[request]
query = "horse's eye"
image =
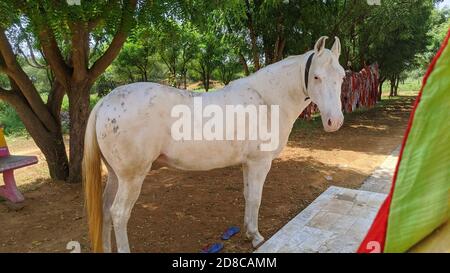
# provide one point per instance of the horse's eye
(316, 78)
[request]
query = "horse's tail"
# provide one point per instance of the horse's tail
(92, 179)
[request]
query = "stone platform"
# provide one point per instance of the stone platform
(338, 220)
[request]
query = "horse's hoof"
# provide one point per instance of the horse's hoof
(257, 241)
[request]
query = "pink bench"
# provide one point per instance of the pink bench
(8, 163)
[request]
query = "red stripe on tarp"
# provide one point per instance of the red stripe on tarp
(377, 232)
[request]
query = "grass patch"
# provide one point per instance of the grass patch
(410, 86)
(303, 124)
(203, 90)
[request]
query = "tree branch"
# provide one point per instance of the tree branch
(116, 44)
(30, 48)
(23, 82)
(50, 48)
(53, 54)
(55, 99)
(80, 49)
(34, 64)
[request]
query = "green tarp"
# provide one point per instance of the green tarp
(420, 201)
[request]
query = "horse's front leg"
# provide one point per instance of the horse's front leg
(256, 172)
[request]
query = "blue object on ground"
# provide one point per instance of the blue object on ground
(214, 248)
(230, 232)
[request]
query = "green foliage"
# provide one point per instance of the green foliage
(178, 42)
(204, 40)
(405, 28)
(440, 25)
(10, 121)
(177, 46)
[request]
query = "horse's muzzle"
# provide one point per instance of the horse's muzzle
(332, 124)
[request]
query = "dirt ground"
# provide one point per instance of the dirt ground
(184, 211)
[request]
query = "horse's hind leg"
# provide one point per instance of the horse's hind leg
(128, 191)
(256, 176)
(108, 199)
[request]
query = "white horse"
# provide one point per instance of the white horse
(130, 129)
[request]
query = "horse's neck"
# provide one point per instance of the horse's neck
(283, 84)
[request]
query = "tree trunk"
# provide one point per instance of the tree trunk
(391, 94)
(206, 82)
(79, 96)
(244, 64)
(184, 76)
(145, 75)
(280, 41)
(279, 49)
(380, 92)
(50, 143)
(397, 82)
(130, 76)
(268, 51)
(253, 36)
(173, 77)
(55, 153)
(255, 50)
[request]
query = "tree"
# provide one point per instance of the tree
(228, 68)
(63, 34)
(177, 47)
(405, 34)
(207, 59)
(440, 22)
(210, 49)
(137, 57)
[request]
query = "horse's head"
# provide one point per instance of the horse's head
(324, 80)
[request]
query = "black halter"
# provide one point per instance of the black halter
(308, 66)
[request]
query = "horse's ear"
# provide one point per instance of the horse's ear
(320, 45)
(336, 49)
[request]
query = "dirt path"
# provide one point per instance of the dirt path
(183, 211)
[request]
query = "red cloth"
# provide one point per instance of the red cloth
(359, 90)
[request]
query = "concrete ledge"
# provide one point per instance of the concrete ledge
(338, 219)
(335, 222)
(381, 178)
